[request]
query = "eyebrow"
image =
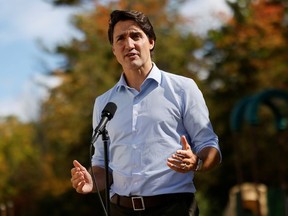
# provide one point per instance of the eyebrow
(120, 36)
(133, 32)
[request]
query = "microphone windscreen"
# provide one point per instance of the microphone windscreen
(109, 110)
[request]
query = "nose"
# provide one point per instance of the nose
(129, 43)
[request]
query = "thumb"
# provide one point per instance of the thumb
(185, 144)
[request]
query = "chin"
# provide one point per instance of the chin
(135, 65)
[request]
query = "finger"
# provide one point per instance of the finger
(76, 168)
(174, 161)
(77, 176)
(176, 168)
(78, 165)
(73, 171)
(177, 165)
(79, 186)
(178, 157)
(185, 144)
(173, 166)
(186, 148)
(76, 182)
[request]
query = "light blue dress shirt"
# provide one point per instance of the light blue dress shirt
(146, 130)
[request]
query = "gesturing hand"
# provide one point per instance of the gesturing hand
(183, 160)
(81, 179)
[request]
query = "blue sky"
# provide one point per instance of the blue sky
(23, 63)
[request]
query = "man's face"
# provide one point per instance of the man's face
(131, 46)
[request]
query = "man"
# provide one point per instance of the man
(160, 134)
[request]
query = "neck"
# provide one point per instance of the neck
(135, 77)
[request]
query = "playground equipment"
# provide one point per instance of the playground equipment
(255, 198)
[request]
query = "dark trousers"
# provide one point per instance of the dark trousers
(183, 206)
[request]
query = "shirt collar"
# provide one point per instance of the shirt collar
(155, 74)
(121, 83)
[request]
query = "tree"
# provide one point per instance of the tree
(235, 58)
(247, 56)
(20, 165)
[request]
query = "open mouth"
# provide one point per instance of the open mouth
(131, 54)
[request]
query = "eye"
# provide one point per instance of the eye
(119, 38)
(135, 36)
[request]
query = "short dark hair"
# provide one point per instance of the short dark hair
(140, 18)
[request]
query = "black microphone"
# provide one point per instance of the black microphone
(107, 114)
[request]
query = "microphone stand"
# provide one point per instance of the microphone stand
(105, 138)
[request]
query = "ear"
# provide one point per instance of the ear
(113, 50)
(152, 44)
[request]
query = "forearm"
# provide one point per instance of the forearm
(100, 178)
(210, 157)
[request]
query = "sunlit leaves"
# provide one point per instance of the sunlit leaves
(18, 157)
(250, 55)
(253, 47)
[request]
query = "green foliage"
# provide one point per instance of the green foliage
(19, 159)
(246, 56)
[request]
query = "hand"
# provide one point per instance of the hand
(81, 179)
(183, 160)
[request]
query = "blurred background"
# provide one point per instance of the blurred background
(55, 59)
